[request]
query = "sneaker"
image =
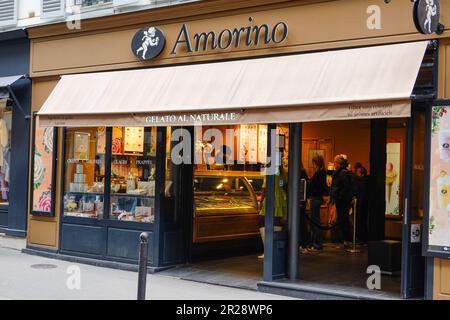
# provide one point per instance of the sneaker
(261, 256)
(304, 250)
(348, 244)
(315, 249)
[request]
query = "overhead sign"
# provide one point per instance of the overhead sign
(426, 15)
(149, 42)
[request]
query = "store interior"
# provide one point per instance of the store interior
(228, 198)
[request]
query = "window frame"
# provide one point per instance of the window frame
(105, 218)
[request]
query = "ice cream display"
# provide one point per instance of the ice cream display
(391, 177)
(443, 187)
(444, 145)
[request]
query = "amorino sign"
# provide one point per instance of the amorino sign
(146, 44)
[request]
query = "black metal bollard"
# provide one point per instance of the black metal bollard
(142, 276)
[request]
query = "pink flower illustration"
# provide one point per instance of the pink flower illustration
(45, 201)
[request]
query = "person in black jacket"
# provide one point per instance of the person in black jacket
(304, 233)
(317, 190)
(362, 204)
(341, 197)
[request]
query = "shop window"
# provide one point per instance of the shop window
(85, 150)
(133, 174)
(5, 153)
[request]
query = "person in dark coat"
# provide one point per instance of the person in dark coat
(304, 233)
(361, 182)
(317, 190)
(341, 197)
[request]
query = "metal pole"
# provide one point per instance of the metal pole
(294, 201)
(142, 276)
(354, 250)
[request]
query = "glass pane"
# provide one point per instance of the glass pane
(5, 154)
(85, 172)
(133, 174)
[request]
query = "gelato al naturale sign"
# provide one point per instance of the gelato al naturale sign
(192, 118)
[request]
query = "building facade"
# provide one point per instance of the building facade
(15, 99)
(82, 202)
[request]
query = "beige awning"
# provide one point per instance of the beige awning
(363, 83)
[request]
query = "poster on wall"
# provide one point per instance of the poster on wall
(393, 163)
(81, 146)
(262, 143)
(42, 195)
(439, 206)
(134, 139)
(101, 140)
(248, 143)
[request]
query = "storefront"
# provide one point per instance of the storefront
(15, 102)
(115, 132)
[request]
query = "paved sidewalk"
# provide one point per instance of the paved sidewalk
(25, 276)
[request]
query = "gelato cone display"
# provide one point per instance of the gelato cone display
(444, 145)
(391, 177)
(443, 187)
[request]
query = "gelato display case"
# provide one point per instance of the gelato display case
(226, 205)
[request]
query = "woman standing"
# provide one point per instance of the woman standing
(318, 189)
(341, 197)
(280, 205)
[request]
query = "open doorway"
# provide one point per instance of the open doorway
(337, 251)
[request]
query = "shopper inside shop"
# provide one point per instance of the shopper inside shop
(341, 198)
(280, 205)
(317, 191)
(361, 187)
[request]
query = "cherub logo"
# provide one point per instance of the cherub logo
(148, 43)
(431, 11)
(426, 15)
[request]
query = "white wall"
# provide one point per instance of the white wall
(29, 11)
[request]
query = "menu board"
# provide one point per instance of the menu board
(248, 143)
(262, 143)
(439, 209)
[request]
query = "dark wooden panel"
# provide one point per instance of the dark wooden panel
(3, 218)
(84, 239)
(225, 227)
(123, 243)
(172, 247)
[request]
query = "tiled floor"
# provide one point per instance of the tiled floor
(332, 267)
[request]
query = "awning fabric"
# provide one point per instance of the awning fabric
(362, 83)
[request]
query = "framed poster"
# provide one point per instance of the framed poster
(134, 139)
(437, 167)
(393, 178)
(43, 170)
(117, 140)
(262, 143)
(101, 140)
(81, 146)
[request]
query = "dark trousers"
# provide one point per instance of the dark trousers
(316, 231)
(304, 233)
(343, 218)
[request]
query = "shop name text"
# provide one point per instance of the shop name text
(241, 36)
